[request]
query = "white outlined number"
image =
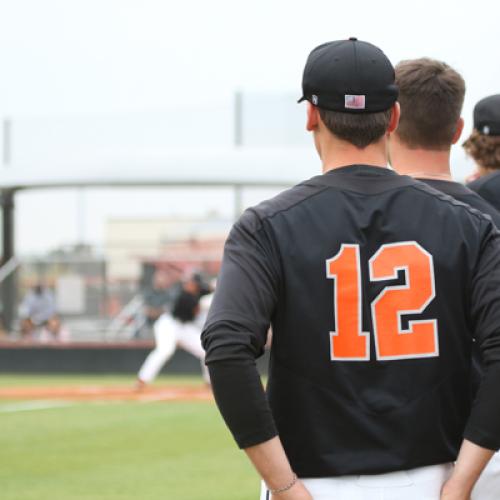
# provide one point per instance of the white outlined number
(392, 342)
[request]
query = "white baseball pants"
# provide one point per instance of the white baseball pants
(170, 333)
(423, 483)
(488, 486)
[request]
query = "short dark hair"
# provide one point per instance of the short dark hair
(484, 149)
(361, 130)
(431, 96)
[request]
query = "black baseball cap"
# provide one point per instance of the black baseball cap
(349, 76)
(487, 115)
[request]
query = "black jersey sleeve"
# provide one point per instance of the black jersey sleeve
(483, 427)
(236, 329)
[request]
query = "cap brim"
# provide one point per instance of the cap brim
(303, 98)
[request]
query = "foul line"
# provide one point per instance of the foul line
(33, 406)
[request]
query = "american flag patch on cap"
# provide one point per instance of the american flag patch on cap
(354, 101)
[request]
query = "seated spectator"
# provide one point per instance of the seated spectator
(53, 331)
(39, 319)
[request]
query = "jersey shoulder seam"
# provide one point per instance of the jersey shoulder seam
(446, 198)
(263, 217)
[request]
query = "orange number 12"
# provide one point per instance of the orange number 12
(348, 342)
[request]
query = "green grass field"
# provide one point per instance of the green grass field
(108, 451)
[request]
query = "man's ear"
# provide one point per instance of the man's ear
(312, 117)
(395, 114)
(458, 130)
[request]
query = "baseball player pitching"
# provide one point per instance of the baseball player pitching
(376, 286)
(180, 328)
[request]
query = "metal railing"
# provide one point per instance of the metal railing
(8, 268)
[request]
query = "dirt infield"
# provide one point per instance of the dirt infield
(103, 393)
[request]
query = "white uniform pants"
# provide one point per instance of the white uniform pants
(488, 486)
(424, 483)
(170, 333)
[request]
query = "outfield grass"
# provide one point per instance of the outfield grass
(120, 451)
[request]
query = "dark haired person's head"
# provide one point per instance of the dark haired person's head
(431, 96)
(359, 130)
(349, 85)
(483, 145)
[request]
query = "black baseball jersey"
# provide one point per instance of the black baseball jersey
(488, 187)
(466, 195)
(186, 306)
(375, 285)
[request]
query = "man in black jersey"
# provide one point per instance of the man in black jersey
(373, 283)
(180, 328)
(483, 145)
(431, 96)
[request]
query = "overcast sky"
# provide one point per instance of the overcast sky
(106, 57)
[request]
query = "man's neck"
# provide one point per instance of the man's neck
(337, 154)
(486, 170)
(420, 163)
